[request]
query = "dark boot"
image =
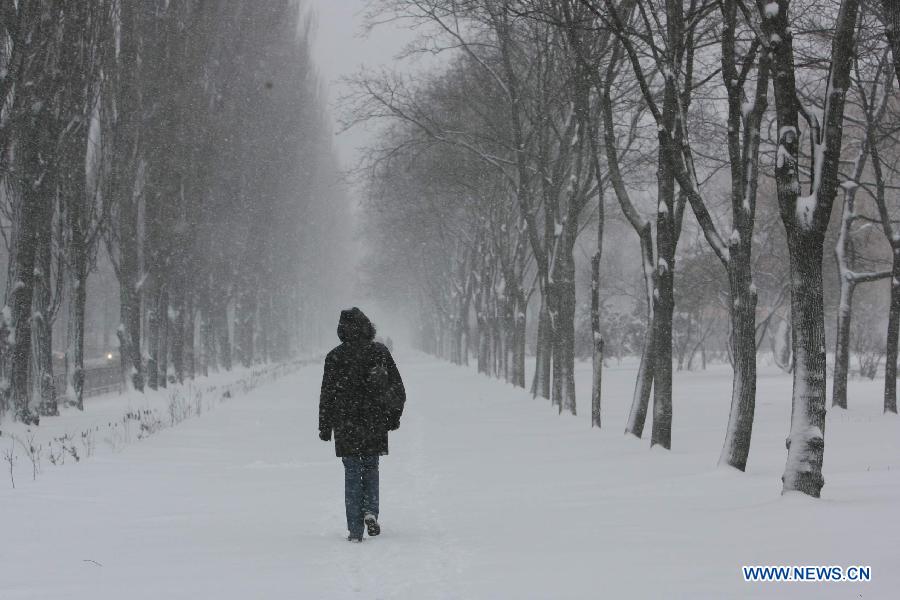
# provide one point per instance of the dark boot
(372, 525)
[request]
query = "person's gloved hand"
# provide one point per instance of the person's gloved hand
(325, 436)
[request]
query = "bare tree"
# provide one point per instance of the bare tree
(132, 122)
(891, 18)
(805, 219)
(81, 194)
(673, 48)
(34, 172)
(872, 103)
(121, 112)
(541, 150)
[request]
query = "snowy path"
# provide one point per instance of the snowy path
(486, 494)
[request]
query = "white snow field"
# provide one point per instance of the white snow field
(487, 494)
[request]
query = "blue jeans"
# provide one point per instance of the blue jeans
(360, 490)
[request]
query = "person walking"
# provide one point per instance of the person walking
(362, 400)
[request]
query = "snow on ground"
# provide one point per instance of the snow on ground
(487, 494)
(112, 421)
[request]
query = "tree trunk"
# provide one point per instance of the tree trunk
(265, 320)
(244, 315)
(893, 328)
(806, 441)
(646, 370)
(743, 340)
(596, 338)
(518, 378)
(484, 345)
(123, 175)
(668, 227)
(129, 330)
(43, 321)
(564, 333)
(509, 339)
(220, 318)
(208, 339)
(457, 350)
(540, 386)
(640, 401)
(661, 433)
(35, 212)
(177, 325)
(20, 299)
(842, 344)
(162, 357)
(75, 345)
(499, 348)
(464, 339)
(153, 325)
(189, 342)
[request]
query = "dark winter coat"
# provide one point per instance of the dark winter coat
(362, 393)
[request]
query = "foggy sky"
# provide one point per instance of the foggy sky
(341, 48)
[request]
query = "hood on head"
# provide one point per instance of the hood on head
(354, 326)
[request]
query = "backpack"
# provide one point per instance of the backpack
(384, 401)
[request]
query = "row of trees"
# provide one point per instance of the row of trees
(186, 140)
(683, 113)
